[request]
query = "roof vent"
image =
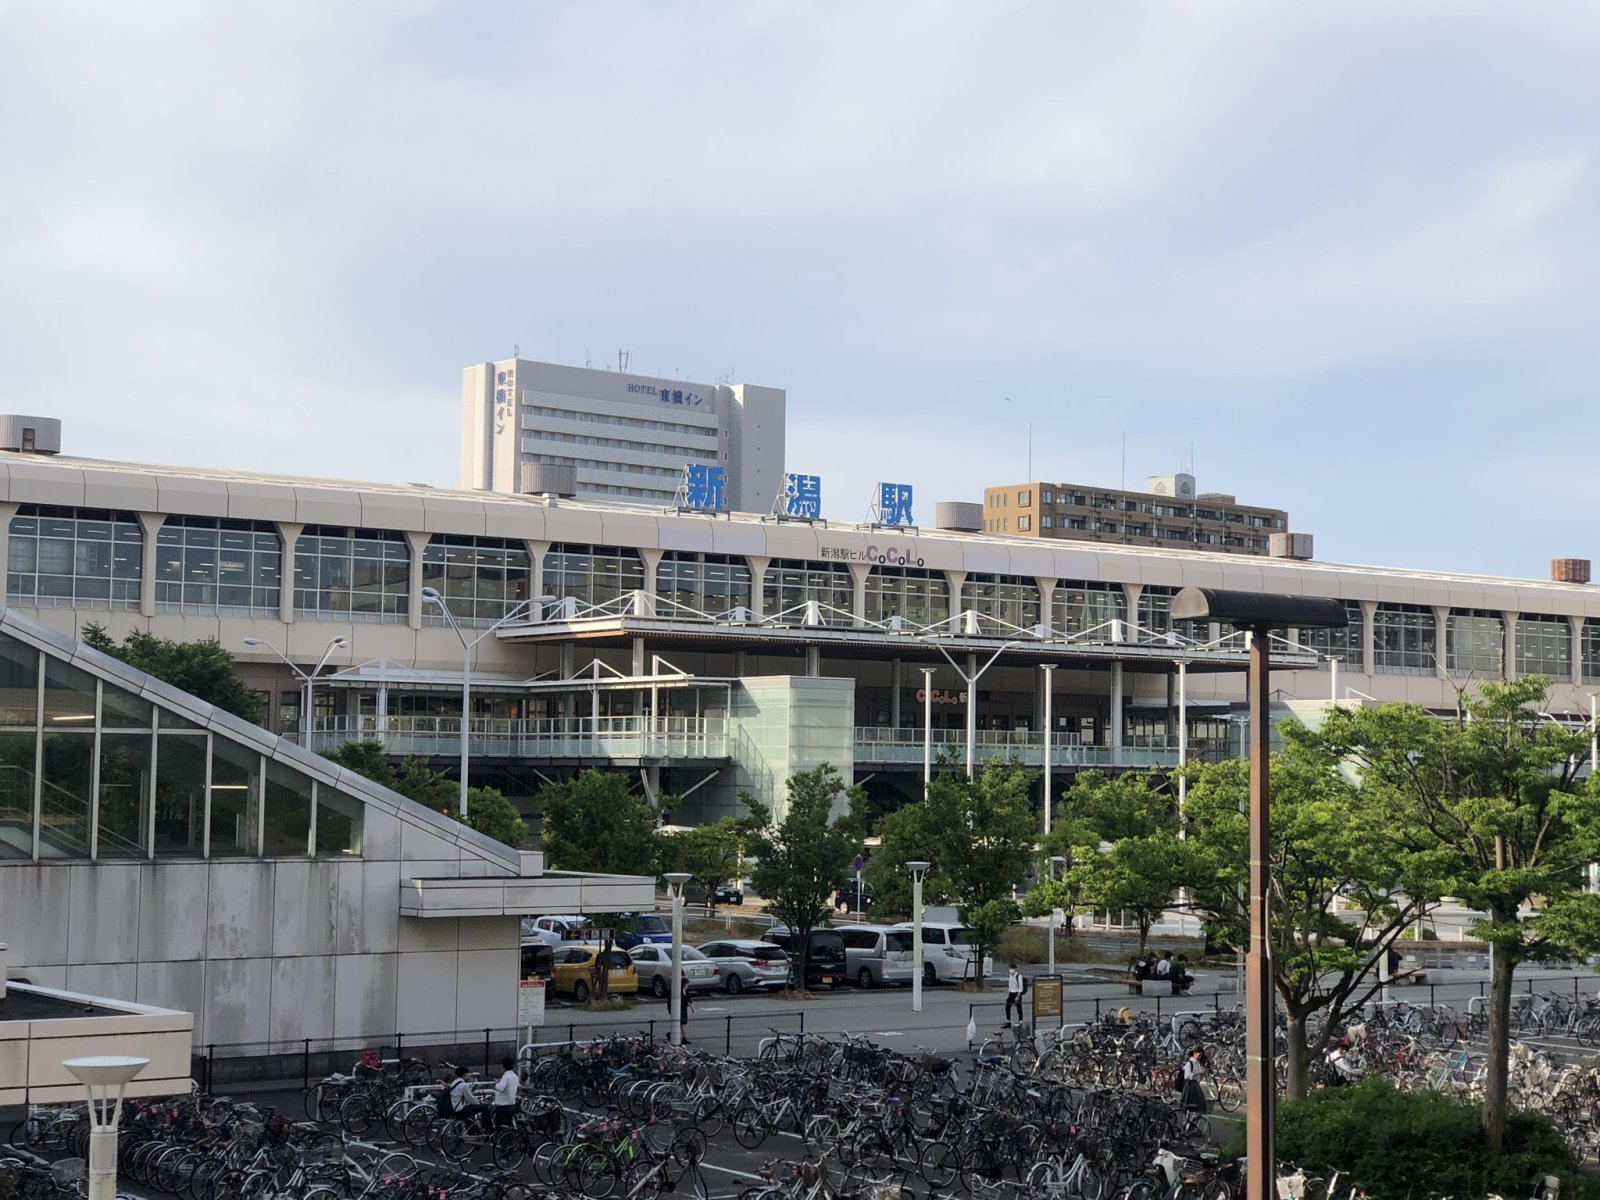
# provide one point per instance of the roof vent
(1289, 545)
(1569, 570)
(30, 435)
(549, 479)
(958, 516)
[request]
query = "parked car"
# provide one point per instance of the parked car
(727, 895)
(572, 972)
(947, 952)
(552, 930)
(538, 960)
(824, 957)
(654, 964)
(645, 929)
(875, 955)
(746, 964)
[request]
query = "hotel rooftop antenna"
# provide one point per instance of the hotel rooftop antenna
(622, 361)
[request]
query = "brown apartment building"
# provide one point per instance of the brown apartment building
(1167, 513)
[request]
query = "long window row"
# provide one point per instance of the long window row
(88, 769)
(94, 558)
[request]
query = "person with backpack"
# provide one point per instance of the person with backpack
(1194, 1073)
(1016, 986)
(457, 1102)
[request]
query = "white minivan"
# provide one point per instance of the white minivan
(947, 952)
(875, 955)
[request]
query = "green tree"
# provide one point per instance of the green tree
(1493, 798)
(908, 834)
(488, 811)
(203, 669)
(987, 826)
(800, 860)
(709, 853)
(1123, 850)
(594, 823)
(1343, 882)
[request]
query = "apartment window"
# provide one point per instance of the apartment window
(362, 574)
(1079, 606)
(1047, 522)
(1025, 498)
(708, 583)
(921, 597)
(1404, 640)
(1344, 645)
(74, 558)
(481, 578)
(1544, 645)
(1047, 496)
(1024, 523)
(592, 575)
(1591, 651)
(209, 562)
(1474, 642)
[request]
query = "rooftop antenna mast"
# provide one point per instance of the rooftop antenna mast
(622, 360)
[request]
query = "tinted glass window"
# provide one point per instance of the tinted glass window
(649, 925)
(827, 945)
(714, 950)
(934, 937)
(897, 941)
(961, 937)
(860, 939)
(768, 954)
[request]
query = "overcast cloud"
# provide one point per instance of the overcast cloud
(1348, 252)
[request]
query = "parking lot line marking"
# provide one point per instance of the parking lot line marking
(705, 1166)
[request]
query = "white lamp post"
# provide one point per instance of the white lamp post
(432, 596)
(675, 881)
(1056, 862)
(1049, 670)
(927, 729)
(104, 1074)
(917, 869)
(308, 683)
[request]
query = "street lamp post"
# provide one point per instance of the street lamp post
(1056, 862)
(432, 596)
(105, 1072)
(308, 683)
(1259, 615)
(1049, 670)
(917, 869)
(927, 729)
(970, 677)
(675, 881)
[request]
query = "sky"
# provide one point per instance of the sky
(1341, 258)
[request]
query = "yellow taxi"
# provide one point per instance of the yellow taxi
(573, 971)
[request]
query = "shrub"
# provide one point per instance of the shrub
(1399, 1144)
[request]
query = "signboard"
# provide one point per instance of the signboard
(702, 487)
(894, 504)
(858, 864)
(530, 1002)
(1046, 997)
(802, 496)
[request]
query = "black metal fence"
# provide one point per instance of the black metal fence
(1154, 996)
(301, 1062)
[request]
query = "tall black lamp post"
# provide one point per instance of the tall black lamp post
(1260, 615)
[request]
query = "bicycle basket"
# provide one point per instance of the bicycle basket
(70, 1171)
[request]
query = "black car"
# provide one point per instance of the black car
(825, 965)
(728, 895)
(538, 960)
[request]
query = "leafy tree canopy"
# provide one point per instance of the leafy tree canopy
(593, 822)
(488, 811)
(203, 669)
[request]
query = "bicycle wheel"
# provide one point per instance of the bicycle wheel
(1024, 1059)
(940, 1165)
(1230, 1094)
(691, 1183)
(1143, 1189)
(1089, 1183)
(749, 1128)
(595, 1174)
(510, 1149)
(450, 1139)
(356, 1115)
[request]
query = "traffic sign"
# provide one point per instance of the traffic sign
(858, 864)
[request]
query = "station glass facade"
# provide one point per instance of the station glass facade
(74, 558)
(480, 578)
(358, 574)
(211, 562)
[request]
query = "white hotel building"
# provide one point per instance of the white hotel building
(233, 875)
(626, 437)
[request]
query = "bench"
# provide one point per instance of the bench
(1136, 986)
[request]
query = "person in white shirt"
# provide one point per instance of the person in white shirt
(505, 1094)
(461, 1104)
(1164, 967)
(1015, 986)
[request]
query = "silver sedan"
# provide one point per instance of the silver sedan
(654, 964)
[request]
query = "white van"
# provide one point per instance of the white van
(875, 955)
(947, 952)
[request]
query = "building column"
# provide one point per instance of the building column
(1369, 618)
(1441, 641)
(149, 525)
(1047, 596)
(1509, 665)
(813, 661)
(7, 511)
(288, 538)
(1172, 707)
(758, 564)
(956, 580)
(1133, 591)
(652, 565)
(894, 693)
(1577, 657)
(639, 667)
(536, 552)
(416, 543)
(858, 601)
(1116, 706)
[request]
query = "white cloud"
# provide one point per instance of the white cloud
(270, 235)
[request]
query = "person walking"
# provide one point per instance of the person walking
(685, 1003)
(1194, 1073)
(505, 1094)
(1016, 985)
